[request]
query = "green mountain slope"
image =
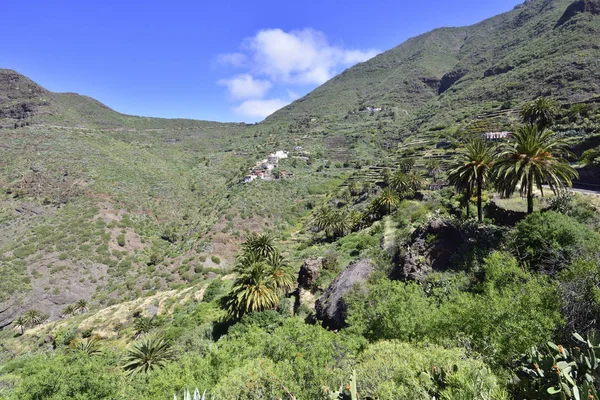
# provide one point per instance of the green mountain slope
(110, 207)
(543, 47)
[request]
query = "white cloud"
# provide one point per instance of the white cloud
(260, 108)
(234, 59)
(246, 87)
(302, 57)
(274, 59)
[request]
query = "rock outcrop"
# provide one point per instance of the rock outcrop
(331, 307)
(431, 248)
(309, 273)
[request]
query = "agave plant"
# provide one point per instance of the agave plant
(188, 396)
(90, 347)
(148, 354)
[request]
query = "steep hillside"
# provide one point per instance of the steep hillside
(109, 207)
(543, 47)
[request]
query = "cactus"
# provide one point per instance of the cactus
(557, 371)
(346, 392)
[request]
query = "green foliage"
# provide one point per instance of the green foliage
(579, 289)
(213, 291)
(67, 376)
(147, 354)
(555, 370)
(472, 170)
(549, 241)
(263, 277)
(89, 347)
(215, 260)
(334, 222)
(542, 112)
(591, 157)
(533, 158)
(499, 319)
(391, 370)
(121, 239)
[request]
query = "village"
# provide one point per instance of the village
(264, 169)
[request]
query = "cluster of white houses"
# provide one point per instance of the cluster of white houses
(497, 135)
(263, 168)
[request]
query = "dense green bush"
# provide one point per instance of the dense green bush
(391, 370)
(550, 241)
(67, 376)
(509, 311)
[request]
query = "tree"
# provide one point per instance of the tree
(472, 169)
(434, 167)
(254, 289)
(406, 164)
(542, 112)
(68, 311)
(401, 183)
(261, 244)
(148, 354)
(20, 323)
(142, 325)
(387, 200)
(81, 306)
(533, 157)
(334, 223)
(261, 281)
(34, 317)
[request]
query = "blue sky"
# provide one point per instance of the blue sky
(212, 60)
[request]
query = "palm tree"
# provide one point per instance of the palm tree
(262, 244)
(261, 281)
(542, 111)
(278, 268)
(68, 310)
(148, 354)
(533, 157)
(253, 290)
(401, 183)
(434, 167)
(324, 219)
(34, 317)
(415, 180)
(20, 323)
(81, 306)
(387, 200)
(472, 169)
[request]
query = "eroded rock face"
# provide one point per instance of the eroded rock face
(432, 247)
(591, 7)
(331, 308)
(450, 79)
(309, 273)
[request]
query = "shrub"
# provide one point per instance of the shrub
(121, 240)
(550, 241)
(392, 370)
(215, 260)
(213, 291)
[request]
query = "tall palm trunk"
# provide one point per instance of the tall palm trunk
(479, 205)
(468, 201)
(530, 193)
